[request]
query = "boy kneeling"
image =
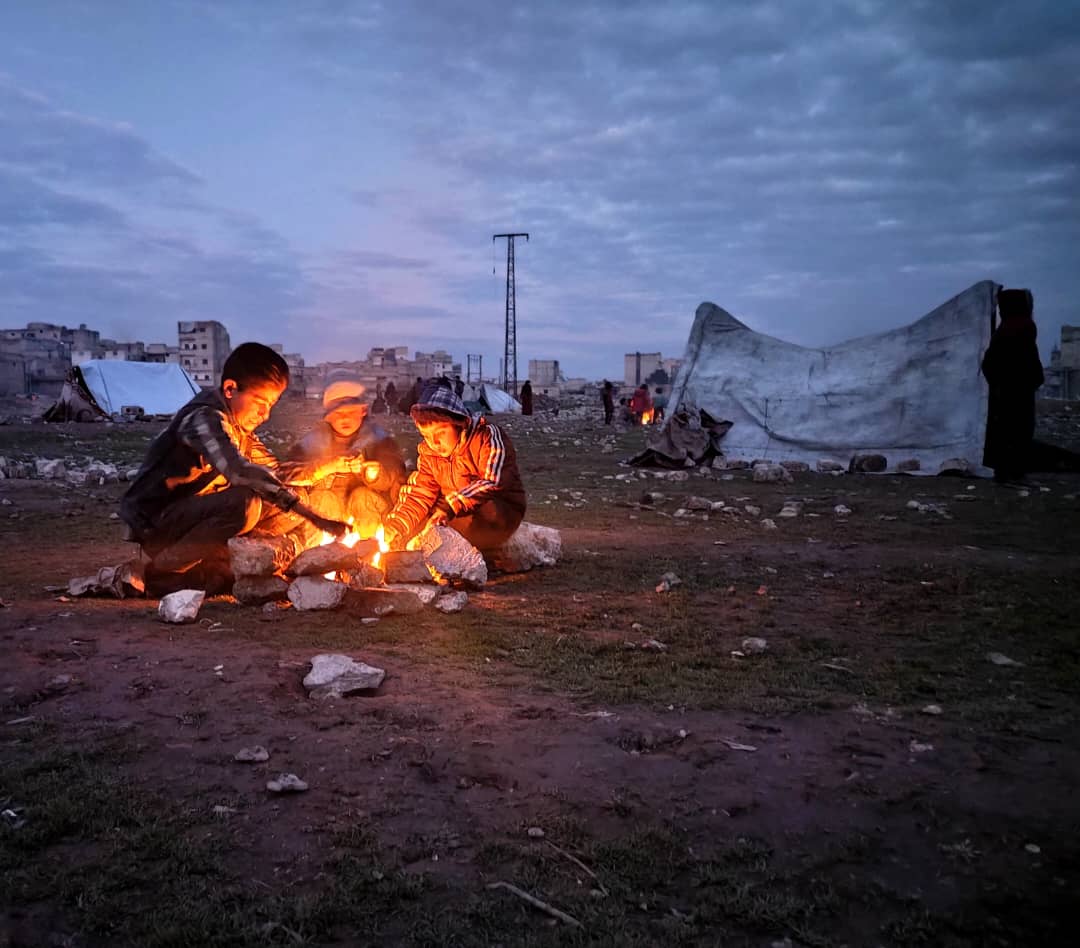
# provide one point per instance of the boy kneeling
(466, 477)
(208, 477)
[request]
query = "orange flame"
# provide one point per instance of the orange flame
(647, 416)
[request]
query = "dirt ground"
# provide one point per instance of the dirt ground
(871, 778)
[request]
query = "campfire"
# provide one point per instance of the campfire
(648, 415)
(350, 540)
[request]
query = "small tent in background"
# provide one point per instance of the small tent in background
(496, 400)
(100, 388)
(913, 395)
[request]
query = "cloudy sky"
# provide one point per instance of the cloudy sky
(329, 174)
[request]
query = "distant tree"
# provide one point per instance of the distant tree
(659, 377)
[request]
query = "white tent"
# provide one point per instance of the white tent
(498, 401)
(106, 386)
(912, 393)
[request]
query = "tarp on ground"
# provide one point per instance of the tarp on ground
(912, 393)
(496, 400)
(103, 387)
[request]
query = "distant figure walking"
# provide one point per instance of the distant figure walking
(526, 398)
(1014, 373)
(607, 395)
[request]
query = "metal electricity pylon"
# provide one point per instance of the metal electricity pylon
(509, 367)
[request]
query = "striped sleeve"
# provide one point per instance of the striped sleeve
(205, 431)
(491, 462)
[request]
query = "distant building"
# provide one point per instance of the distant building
(46, 357)
(204, 346)
(12, 374)
(1063, 372)
(161, 352)
(544, 373)
(295, 362)
(638, 366)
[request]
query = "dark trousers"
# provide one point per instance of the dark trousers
(188, 545)
(490, 525)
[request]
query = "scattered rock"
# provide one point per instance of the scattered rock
(868, 464)
(315, 592)
(827, 466)
(934, 709)
(451, 558)
(791, 508)
(531, 545)
(286, 783)
(768, 524)
(252, 755)
(765, 472)
(697, 503)
(668, 582)
(334, 676)
(841, 510)
(999, 659)
(535, 832)
(753, 510)
(795, 467)
(181, 606)
(1032, 848)
(653, 645)
(916, 747)
(754, 645)
(452, 601)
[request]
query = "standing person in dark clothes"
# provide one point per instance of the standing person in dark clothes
(526, 398)
(354, 467)
(412, 396)
(607, 395)
(466, 477)
(391, 397)
(459, 386)
(1014, 373)
(208, 477)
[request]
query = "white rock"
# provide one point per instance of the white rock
(932, 709)
(181, 606)
(315, 592)
(452, 558)
(841, 510)
(754, 645)
(768, 524)
(334, 676)
(252, 755)
(768, 473)
(259, 556)
(531, 545)
(999, 659)
(452, 601)
(425, 592)
(916, 747)
(535, 832)
(753, 510)
(286, 783)
(791, 508)
(826, 466)
(51, 469)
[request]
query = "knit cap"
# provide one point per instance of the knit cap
(441, 398)
(342, 392)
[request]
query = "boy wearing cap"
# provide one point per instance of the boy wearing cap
(354, 467)
(208, 477)
(466, 476)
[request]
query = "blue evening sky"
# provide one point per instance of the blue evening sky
(328, 175)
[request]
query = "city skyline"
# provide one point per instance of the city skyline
(330, 175)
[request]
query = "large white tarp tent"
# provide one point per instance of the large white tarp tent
(912, 393)
(106, 386)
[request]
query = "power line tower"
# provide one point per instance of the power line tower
(509, 366)
(478, 361)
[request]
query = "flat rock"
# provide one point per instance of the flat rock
(334, 676)
(427, 593)
(286, 783)
(252, 755)
(384, 601)
(765, 472)
(868, 464)
(332, 557)
(405, 566)
(451, 558)
(531, 545)
(259, 556)
(181, 606)
(315, 592)
(452, 601)
(255, 590)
